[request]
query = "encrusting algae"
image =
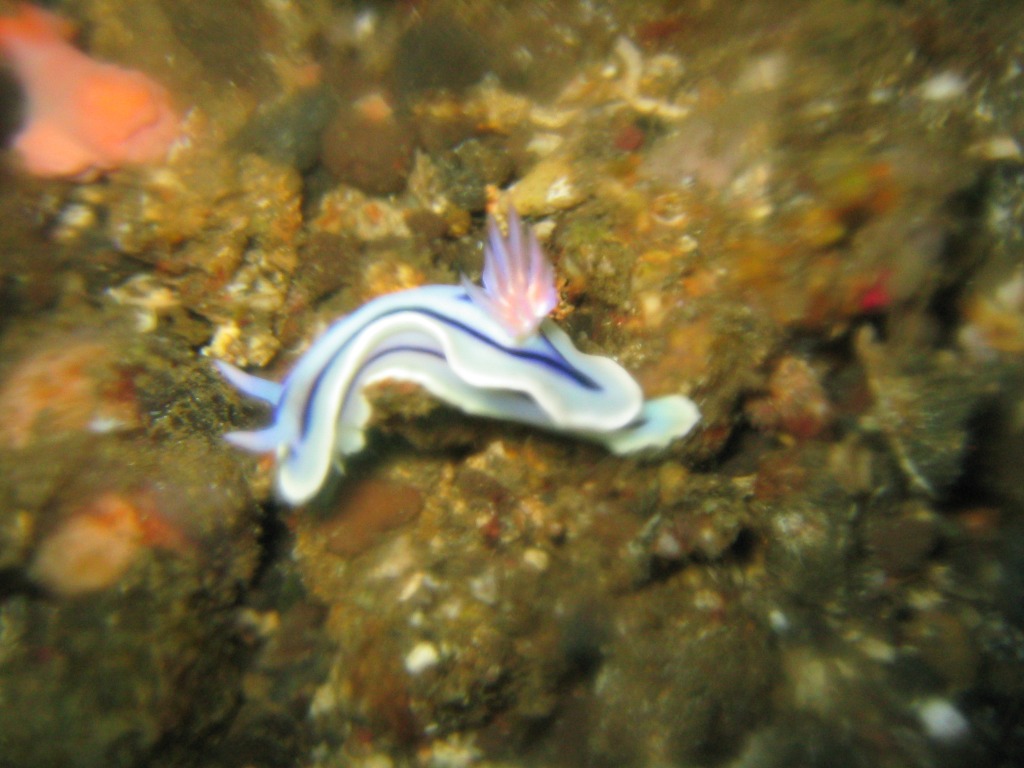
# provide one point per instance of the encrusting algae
(802, 217)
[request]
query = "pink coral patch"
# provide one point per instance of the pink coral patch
(65, 386)
(99, 542)
(84, 116)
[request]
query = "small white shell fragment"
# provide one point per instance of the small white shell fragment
(325, 701)
(148, 295)
(667, 546)
(411, 587)
(454, 751)
(547, 187)
(943, 87)
(687, 244)
(997, 148)
(942, 721)
(537, 559)
(877, 649)
(633, 66)
(544, 144)
(104, 425)
(765, 73)
(423, 656)
(779, 621)
(652, 308)
(73, 221)
(485, 587)
(560, 190)
(550, 118)
(881, 95)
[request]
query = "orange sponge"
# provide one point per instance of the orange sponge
(83, 116)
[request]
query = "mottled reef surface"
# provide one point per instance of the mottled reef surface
(806, 216)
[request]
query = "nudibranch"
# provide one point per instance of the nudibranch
(489, 351)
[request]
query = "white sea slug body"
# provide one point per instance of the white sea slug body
(488, 351)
